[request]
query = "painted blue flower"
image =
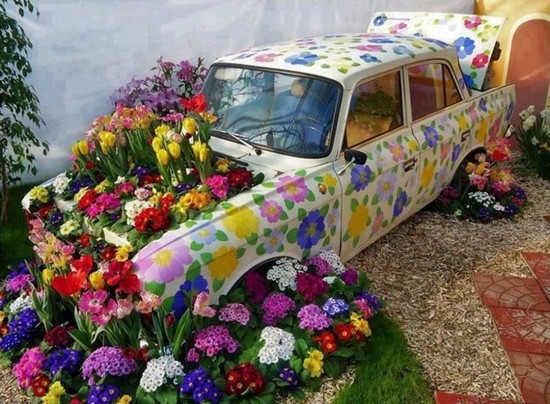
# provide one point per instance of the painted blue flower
(456, 152)
(303, 58)
(369, 58)
(464, 46)
(483, 104)
(381, 40)
(360, 177)
(439, 43)
(311, 229)
(399, 204)
(431, 136)
(403, 50)
(380, 20)
(468, 80)
(195, 286)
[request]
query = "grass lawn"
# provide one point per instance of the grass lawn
(390, 374)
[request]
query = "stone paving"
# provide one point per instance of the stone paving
(520, 308)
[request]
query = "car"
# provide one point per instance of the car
(353, 134)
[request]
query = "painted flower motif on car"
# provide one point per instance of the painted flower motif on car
(361, 176)
(271, 210)
(464, 47)
(292, 188)
(311, 229)
(241, 221)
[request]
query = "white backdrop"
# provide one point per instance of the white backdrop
(85, 49)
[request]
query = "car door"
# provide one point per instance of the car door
(439, 123)
(380, 177)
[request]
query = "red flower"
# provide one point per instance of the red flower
(84, 264)
(169, 319)
(109, 253)
(142, 355)
(327, 341)
(85, 240)
(120, 273)
(87, 200)
(167, 201)
(75, 400)
(129, 353)
(43, 212)
(152, 219)
(196, 104)
(57, 337)
(344, 331)
(69, 284)
(239, 178)
(90, 165)
(40, 385)
(4, 329)
(242, 377)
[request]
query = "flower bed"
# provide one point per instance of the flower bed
(278, 332)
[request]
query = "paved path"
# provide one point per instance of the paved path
(520, 308)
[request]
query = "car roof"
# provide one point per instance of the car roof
(341, 57)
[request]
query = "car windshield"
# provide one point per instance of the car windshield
(277, 111)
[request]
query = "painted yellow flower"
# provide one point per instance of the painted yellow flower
(462, 123)
(96, 280)
(224, 262)
(329, 180)
(242, 221)
(482, 131)
(358, 221)
(427, 175)
(413, 144)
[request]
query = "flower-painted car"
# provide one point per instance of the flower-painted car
(322, 143)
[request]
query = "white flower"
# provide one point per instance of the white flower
(528, 123)
(284, 273)
(534, 141)
(531, 109)
(279, 344)
(60, 183)
(498, 207)
(334, 260)
(22, 302)
(69, 227)
(158, 371)
(133, 208)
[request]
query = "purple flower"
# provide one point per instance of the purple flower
(236, 312)
(288, 376)
(322, 266)
(369, 58)
(350, 276)
(63, 359)
(219, 185)
(431, 136)
(276, 307)
(334, 307)
(214, 339)
(303, 58)
(256, 285)
(400, 203)
(311, 229)
(19, 282)
(103, 394)
(456, 152)
(313, 318)
(200, 386)
(293, 189)
(361, 176)
(107, 361)
(371, 300)
(271, 210)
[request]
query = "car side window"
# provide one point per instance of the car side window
(375, 108)
(432, 88)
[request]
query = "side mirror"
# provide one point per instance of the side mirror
(355, 156)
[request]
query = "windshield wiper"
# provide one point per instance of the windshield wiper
(241, 140)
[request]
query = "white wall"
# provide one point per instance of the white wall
(84, 49)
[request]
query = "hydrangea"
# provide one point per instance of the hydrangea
(105, 361)
(214, 339)
(276, 307)
(279, 344)
(200, 387)
(236, 312)
(284, 273)
(159, 371)
(313, 318)
(334, 307)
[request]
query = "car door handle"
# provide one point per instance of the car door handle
(465, 136)
(409, 164)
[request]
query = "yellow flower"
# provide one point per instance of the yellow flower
(413, 144)
(224, 262)
(195, 199)
(161, 130)
(107, 140)
(103, 185)
(222, 166)
(242, 221)
(200, 150)
(360, 324)
(314, 363)
(189, 125)
(175, 150)
(209, 117)
(96, 280)
(482, 131)
(329, 180)
(123, 253)
(470, 167)
(80, 148)
(163, 157)
(427, 174)
(47, 275)
(125, 399)
(39, 194)
(358, 221)
(55, 391)
(316, 355)
(157, 144)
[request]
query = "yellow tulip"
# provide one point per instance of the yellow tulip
(107, 138)
(157, 143)
(200, 150)
(161, 130)
(189, 125)
(96, 280)
(175, 150)
(47, 275)
(74, 149)
(82, 146)
(163, 157)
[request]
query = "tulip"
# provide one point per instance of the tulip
(161, 130)
(157, 143)
(82, 147)
(96, 280)
(107, 138)
(175, 150)
(163, 157)
(201, 151)
(189, 125)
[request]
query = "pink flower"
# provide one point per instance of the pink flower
(218, 184)
(107, 311)
(397, 150)
(292, 188)
(271, 210)
(472, 22)
(478, 180)
(149, 302)
(29, 366)
(124, 308)
(480, 60)
(202, 306)
(92, 302)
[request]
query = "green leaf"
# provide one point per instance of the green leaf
(207, 257)
(332, 368)
(193, 271)
(156, 288)
(258, 199)
(292, 236)
(221, 236)
(196, 246)
(217, 284)
(310, 196)
(240, 252)
(289, 204)
(344, 352)
(324, 210)
(302, 213)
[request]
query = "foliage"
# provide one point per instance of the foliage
(378, 103)
(533, 139)
(18, 102)
(483, 191)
